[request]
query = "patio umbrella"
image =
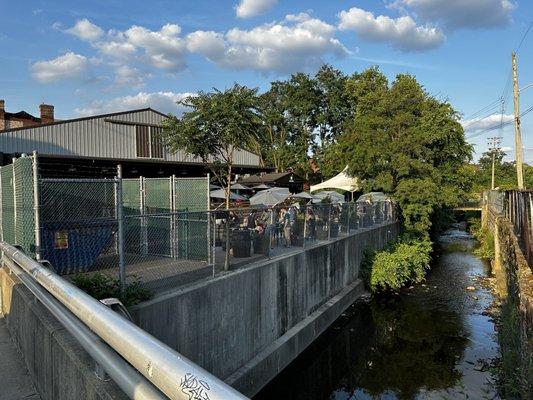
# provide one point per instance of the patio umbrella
(238, 186)
(221, 194)
(261, 187)
(213, 186)
(270, 197)
(302, 195)
(335, 197)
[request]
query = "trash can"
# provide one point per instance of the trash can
(75, 246)
(241, 243)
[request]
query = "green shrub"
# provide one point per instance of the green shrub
(101, 286)
(401, 263)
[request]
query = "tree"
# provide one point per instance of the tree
(404, 142)
(217, 125)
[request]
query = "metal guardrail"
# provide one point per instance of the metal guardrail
(141, 354)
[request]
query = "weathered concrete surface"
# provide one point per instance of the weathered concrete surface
(512, 269)
(59, 367)
(16, 382)
(514, 279)
(247, 325)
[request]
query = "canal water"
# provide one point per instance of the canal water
(432, 341)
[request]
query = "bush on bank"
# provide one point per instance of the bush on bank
(101, 286)
(403, 262)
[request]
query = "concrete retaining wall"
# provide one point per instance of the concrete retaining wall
(514, 279)
(58, 365)
(249, 324)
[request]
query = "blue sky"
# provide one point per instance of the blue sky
(103, 56)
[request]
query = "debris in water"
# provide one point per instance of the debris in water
(471, 288)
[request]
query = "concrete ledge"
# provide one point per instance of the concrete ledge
(58, 366)
(255, 374)
(246, 325)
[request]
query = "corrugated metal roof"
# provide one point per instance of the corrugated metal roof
(97, 137)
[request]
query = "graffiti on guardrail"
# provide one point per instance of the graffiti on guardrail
(195, 388)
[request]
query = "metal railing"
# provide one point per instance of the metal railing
(89, 320)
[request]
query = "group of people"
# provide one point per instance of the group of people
(279, 224)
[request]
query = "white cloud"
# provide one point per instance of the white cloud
(67, 66)
(116, 49)
(210, 44)
(401, 33)
(298, 42)
(163, 49)
(492, 121)
(251, 8)
(455, 14)
(86, 30)
(160, 101)
(128, 76)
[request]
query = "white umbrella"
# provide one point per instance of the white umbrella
(238, 186)
(335, 197)
(270, 197)
(221, 194)
(213, 186)
(302, 195)
(261, 187)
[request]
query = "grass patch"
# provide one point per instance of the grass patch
(101, 286)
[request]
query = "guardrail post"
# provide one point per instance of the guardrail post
(120, 217)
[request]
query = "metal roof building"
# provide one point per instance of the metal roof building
(84, 145)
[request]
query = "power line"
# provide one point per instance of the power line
(524, 37)
(493, 128)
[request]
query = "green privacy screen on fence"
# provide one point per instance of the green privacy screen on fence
(17, 206)
(166, 217)
(192, 195)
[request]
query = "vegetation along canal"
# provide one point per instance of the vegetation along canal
(432, 341)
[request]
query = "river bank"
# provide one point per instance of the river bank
(431, 341)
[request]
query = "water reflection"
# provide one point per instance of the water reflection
(420, 344)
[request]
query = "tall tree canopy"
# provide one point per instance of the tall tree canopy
(404, 142)
(217, 124)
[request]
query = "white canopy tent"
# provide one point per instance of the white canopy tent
(342, 181)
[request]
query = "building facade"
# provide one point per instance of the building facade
(23, 119)
(130, 138)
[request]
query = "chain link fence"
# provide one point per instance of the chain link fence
(158, 231)
(17, 222)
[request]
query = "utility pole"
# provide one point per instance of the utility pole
(517, 134)
(494, 147)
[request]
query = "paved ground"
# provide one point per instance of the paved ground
(15, 383)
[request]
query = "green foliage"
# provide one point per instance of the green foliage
(101, 286)
(509, 367)
(403, 262)
(218, 123)
(484, 236)
(504, 173)
(404, 142)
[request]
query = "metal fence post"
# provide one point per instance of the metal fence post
(208, 218)
(120, 217)
(305, 226)
(172, 193)
(15, 241)
(329, 222)
(144, 220)
(36, 207)
(348, 230)
(213, 249)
